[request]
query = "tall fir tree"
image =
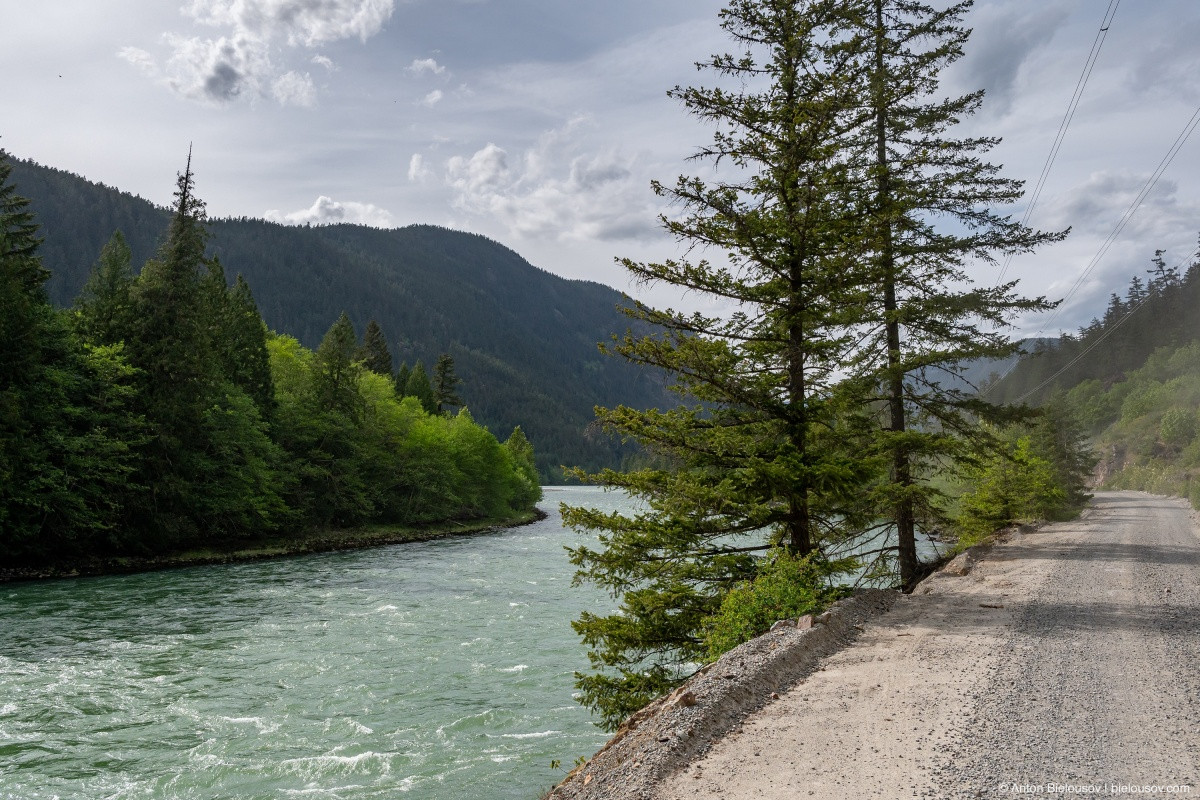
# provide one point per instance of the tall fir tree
(102, 310)
(403, 373)
(419, 386)
(336, 370)
(68, 441)
(374, 353)
(445, 384)
(763, 453)
(926, 318)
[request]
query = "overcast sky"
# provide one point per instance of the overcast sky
(540, 123)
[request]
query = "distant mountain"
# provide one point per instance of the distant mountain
(523, 340)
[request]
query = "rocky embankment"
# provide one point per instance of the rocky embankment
(674, 730)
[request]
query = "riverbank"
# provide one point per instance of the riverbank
(282, 546)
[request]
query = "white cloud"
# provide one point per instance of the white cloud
(433, 98)
(420, 65)
(1003, 39)
(556, 192)
(327, 211)
(294, 89)
(299, 22)
(243, 62)
(418, 172)
(139, 58)
(324, 61)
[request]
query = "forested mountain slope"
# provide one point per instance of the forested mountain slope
(1131, 381)
(1160, 310)
(523, 340)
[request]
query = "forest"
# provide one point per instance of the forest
(159, 413)
(1130, 380)
(523, 340)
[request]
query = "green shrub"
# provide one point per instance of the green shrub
(1178, 427)
(785, 587)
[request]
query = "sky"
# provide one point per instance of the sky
(541, 123)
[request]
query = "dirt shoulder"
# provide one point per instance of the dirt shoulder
(1064, 655)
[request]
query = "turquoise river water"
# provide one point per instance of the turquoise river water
(435, 670)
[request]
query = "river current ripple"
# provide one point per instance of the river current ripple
(434, 670)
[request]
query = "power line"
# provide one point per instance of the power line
(1176, 146)
(1088, 65)
(1089, 349)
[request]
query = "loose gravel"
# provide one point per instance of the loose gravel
(1063, 661)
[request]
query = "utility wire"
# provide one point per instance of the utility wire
(1080, 85)
(1089, 348)
(1176, 146)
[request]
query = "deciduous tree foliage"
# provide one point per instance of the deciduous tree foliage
(158, 413)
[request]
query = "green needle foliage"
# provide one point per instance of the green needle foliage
(375, 354)
(159, 414)
(445, 384)
(762, 455)
(929, 207)
(839, 214)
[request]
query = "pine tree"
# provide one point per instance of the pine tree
(68, 443)
(374, 353)
(401, 380)
(336, 370)
(928, 318)
(248, 364)
(764, 442)
(445, 384)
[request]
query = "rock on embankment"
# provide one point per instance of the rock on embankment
(675, 729)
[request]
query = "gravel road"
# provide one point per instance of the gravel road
(1066, 662)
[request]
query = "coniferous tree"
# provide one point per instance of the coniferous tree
(67, 439)
(445, 384)
(765, 443)
(401, 380)
(336, 370)
(375, 354)
(928, 319)
(103, 307)
(248, 365)
(419, 386)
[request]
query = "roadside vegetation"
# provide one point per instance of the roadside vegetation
(820, 415)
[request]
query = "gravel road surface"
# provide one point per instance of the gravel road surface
(1065, 662)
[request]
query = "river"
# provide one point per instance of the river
(442, 669)
(434, 670)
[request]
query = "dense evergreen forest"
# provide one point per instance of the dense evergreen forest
(1130, 380)
(159, 413)
(1161, 308)
(523, 340)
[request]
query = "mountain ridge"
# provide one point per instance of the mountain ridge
(524, 340)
